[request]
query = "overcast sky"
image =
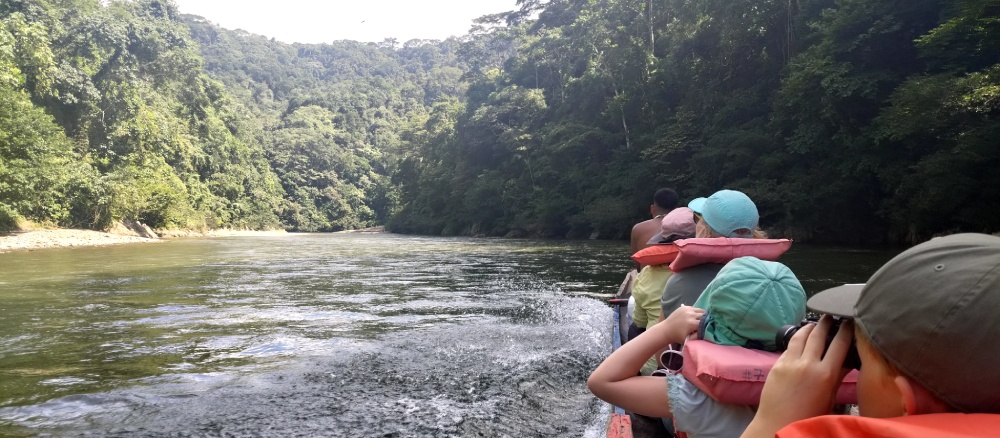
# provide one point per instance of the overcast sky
(318, 21)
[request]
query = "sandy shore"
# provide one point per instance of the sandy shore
(61, 238)
(39, 239)
(170, 234)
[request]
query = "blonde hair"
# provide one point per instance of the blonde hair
(703, 230)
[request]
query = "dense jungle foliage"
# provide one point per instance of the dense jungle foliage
(333, 118)
(855, 121)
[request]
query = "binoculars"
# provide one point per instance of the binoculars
(785, 333)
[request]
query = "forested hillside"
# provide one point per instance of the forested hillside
(856, 121)
(334, 119)
(845, 120)
(106, 113)
(130, 111)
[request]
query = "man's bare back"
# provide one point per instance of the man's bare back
(664, 200)
(643, 231)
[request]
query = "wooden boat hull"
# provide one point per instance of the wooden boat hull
(624, 424)
(620, 425)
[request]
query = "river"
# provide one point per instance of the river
(321, 335)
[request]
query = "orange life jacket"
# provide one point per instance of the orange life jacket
(929, 425)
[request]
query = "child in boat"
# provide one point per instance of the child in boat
(649, 284)
(745, 305)
(727, 213)
(925, 326)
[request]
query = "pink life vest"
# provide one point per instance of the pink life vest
(728, 374)
(685, 253)
(735, 375)
(693, 252)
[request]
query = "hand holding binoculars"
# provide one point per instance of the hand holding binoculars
(785, 333)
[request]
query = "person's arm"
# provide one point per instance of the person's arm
(615, 380)
(635, 245)
(803, 383)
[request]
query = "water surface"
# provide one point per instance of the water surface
(320, 335)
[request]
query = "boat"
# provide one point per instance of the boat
(620, 424)
(624, 424)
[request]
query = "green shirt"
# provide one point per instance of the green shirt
(647, 290)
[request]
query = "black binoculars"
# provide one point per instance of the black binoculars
(785, 333)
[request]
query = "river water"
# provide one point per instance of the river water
(321, 335)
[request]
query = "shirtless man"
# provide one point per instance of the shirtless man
(664, 200)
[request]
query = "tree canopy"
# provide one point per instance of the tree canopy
(853, 121)
(845, 120)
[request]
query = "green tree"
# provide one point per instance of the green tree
(938, 140)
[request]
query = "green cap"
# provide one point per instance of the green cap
(748, 301)
(933, 312)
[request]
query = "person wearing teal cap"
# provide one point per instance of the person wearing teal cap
(727, 212)
(745, 305)
(748, 301)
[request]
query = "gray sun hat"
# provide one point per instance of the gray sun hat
(676, 225)
(933, 312)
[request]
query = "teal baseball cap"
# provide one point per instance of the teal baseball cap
(748, 301)
(729, 212)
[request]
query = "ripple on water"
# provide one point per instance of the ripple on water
(491, 377)
(332, 342)
(68, 381)
(67, 410)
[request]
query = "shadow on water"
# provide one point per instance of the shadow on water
(320, 335)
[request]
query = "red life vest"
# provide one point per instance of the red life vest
(656, 255)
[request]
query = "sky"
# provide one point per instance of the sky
(318, 21)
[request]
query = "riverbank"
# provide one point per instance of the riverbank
(30, 240)
(61, 238)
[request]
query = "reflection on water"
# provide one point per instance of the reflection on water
(336, 335)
